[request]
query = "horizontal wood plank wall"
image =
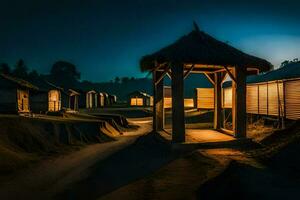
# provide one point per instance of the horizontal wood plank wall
(227, 98)
(167, 92)
(188, 103)
(205, 98)
(274, 93)
(263, 99)
(167, 102)
(252, 99)
(292, 99)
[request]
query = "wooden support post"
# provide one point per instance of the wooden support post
(158, 102)
(239, 117)
(178, 122)
(218, 100)
(284, 105)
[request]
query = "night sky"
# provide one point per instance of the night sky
(107, 38)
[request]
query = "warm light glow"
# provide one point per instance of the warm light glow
(136, 101)
(188, 103)
(205, 98)
(23, 101)
(227, 97)
(54, 100)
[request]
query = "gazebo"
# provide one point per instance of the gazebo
(198, 52)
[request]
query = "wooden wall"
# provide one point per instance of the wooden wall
(262, 98)
(227, 97)
(23, 100)
(188, 102)
(135, 101)
(8, 100)
(252, 99)
(292, 99)
(205, 98)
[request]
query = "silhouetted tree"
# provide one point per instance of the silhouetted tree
(33, 75)
(4, 68)
(125, 80)
(117, 80)
(20, 70)
(64, 74)
(284, 63)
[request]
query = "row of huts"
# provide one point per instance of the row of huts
(41, 96)
(142, 99)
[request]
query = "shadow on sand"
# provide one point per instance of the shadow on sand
(146, 155)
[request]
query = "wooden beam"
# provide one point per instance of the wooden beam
(239, 116)
(188, 72)
(220, 70)
(217, 101)
(169, 74)
(157, 66)
(178, 122)
(224, 78)
(158, 79)
(158, 103)
(210, 77)
(230, 74)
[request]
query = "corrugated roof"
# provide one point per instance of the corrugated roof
(17, 82)
(291, 70)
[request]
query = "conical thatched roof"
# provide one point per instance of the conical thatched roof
(200, 48)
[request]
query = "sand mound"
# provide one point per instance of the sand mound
(118, 122)
(23, 140)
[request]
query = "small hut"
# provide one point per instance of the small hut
(15, 94)
(73, 100)
(112, 99)
(138, 98)
(91, 99)
(198, 52)
(106, 99)
(49, 98)
(101, 99)
(88, 99)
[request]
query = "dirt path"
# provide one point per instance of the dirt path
(50, 177)
(180, 179)
(146, 155)
(275, 178)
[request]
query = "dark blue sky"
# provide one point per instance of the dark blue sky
(106, 38)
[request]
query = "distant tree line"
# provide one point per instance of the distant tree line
(65, 74)
(286, 62)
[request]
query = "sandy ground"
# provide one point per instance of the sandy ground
(182, 178)
(270, 171)
(144, 166)
(53, 175)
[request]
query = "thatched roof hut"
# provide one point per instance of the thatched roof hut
(198, 47)
(198, 52)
